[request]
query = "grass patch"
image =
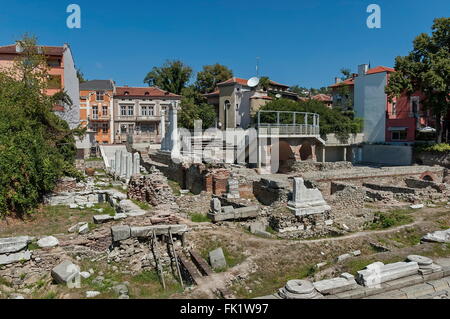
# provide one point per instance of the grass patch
(176, 188)
(142, 205)
(393, 218)
(199, 218)
(233, 257)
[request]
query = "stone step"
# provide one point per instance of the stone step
(189, 271)
(201, 264)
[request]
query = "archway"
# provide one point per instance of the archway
(306, 152)
(286, 157)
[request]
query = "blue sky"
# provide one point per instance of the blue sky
(298, 42)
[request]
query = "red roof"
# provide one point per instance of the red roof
(216, 92)
(380, 69)
(245, 81)
(346, 82)
(48, 50)
(265, 97)
(322, 98)
(144, 91)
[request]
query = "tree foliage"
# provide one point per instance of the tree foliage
(173, 76)
(194, 107)
(426, 69)
(36, 146)
(211, 75)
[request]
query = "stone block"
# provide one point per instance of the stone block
(120, 216)
(335, 285)
(15, 257)
(147, 231)
(48, 242)
(257, 226)
(217, 259)
(307, 201)
(120, 233)
(13, 244)
(216, 206)
(433, 276)
(377, 273)
(83, 229)
(418, 290)
(227, 209)
(439, 284)
(356, 293)
(343, 257)
(405, 282)
(100, 219)
(65, 272)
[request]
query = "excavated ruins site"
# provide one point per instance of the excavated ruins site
(156, 229)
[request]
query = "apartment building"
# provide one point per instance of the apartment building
(96, 109)
(137, 113)
(63, 76)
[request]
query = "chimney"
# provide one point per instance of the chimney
(19, 48)
(337, 80)
(362, 69)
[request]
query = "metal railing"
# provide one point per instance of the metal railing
(289, 123)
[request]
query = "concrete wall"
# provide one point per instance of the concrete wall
(72, 87)
(394, 155)
(370, 104)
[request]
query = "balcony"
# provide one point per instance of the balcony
(139, 118)
(99, 117)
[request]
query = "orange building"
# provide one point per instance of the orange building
(96, 109)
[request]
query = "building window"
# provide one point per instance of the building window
(151, 110)
(415, 103)
(105, 127)
(144, 110)
(123, 110)
(99, 95)
(95, 127)
(95, 112)
(130, 110)
(399, 135)
(105, 110)
(123, 129)
(394, 108)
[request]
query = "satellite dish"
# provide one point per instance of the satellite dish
(278, 96)
(253, 82)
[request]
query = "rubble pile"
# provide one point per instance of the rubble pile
(152, 188)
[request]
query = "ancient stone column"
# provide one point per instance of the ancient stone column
(172, 134)
(112, 165)
(129, 166)
(162, 129)
(117, 163)
(123, 163)
(136, 163)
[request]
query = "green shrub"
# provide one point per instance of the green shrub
(434, 148)
(384, 220)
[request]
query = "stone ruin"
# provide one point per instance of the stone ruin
(153, 189)
(220, 213)
(125, 164)
(418, 276)
(307, 201)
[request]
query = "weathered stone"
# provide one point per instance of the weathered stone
(48, 242)
(13, 244)
(216, 206)
(343, 257)
(257, 226)
(85, 274)
(147, 231)
(15, 257)
(299, 289)
(65, 272)
(418, 206)
(83, 229)
(100, 219)
(217, 259)
(378, 273)
(120, 216)
(441, 236)
(335, 285)
(420, 260)
(120, 233)
(227, 209)
(92, 294)
(120, 289)
(307, 201)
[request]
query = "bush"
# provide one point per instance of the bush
(384, 220)
(435, 148)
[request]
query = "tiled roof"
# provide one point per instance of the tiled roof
(97, 85)
(322, 98)
(216, 92)
(265, 97)
(343, 83)
(144, 91)
(380, 69)
(49, 50)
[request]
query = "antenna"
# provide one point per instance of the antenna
(257, 66)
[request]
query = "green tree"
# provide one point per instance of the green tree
(194, 107)
(211, 75)
(172, 76)
(80, 76)
(426, 69)
(36, 146)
